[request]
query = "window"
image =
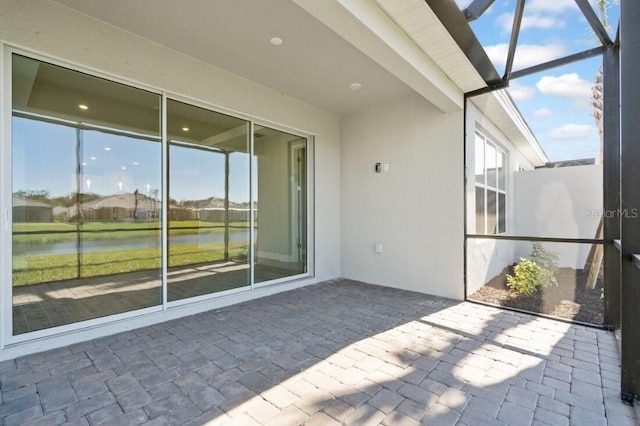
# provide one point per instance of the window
(490, 189)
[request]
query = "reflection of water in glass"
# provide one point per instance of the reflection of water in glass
(126, 243)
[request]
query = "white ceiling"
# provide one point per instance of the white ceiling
(313, 64)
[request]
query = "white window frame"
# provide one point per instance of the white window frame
(487, 187)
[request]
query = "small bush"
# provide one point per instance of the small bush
(547, 260)
(538, 270)
(526, 277)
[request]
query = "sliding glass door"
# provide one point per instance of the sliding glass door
(126, 200)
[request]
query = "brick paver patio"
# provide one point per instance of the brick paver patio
(332, 353)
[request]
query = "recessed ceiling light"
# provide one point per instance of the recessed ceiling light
(355, 86)
(84, 164)
(276, 41)
(83, 107)
(185, 129)
(106, 148)
(93, 158)
(123, 168)
(135, 163)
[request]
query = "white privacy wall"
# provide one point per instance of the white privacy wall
(66, 35)
(414, 210)
(564, 202)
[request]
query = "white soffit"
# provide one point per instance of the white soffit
(365, 25)
(420, 24)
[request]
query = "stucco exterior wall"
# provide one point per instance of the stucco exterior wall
(414, 210)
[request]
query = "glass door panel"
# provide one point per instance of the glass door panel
(86, 153)
(208, 201)
(280, 183)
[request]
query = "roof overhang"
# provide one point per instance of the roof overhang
(499, 108)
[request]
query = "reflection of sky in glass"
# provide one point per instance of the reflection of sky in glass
(239, 178)
(195, 171)
(128, 165)
(44, 159)
(197, 174)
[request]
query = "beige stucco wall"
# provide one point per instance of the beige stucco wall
(415, 210)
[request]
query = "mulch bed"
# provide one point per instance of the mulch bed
(568, 300)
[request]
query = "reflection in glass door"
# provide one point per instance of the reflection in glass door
(90, 193)
(208, 201)
(86, 162)
(280, 237)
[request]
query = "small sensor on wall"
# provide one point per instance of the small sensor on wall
(382, 167)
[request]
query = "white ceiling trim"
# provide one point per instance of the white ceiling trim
(422, 26)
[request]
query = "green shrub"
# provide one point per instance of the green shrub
(526, 277)
(538, 270)
(547, 260)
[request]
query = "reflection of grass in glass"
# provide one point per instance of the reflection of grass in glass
(65, 232)
(191, 254)
(56, 267)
